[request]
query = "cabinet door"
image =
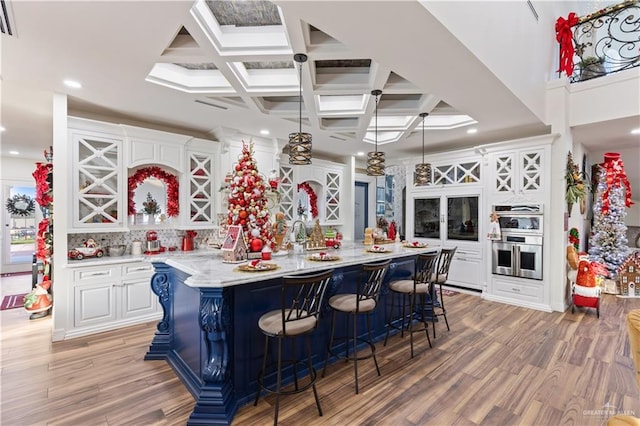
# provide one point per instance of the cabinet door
(97, 184)
(530, 171)
(137, 299)
(332, 206)
(200, 191)
(94, 303)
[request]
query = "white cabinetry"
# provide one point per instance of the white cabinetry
(111, 296)
(199, 200)
(326, 180)
(97, 183)
(146, 151)
(518, 172)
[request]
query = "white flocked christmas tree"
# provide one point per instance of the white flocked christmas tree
(247, 201)
(608, 242)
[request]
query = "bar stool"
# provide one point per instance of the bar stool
(441, 276)
(301, 302)
(420, 286)
(364, 301)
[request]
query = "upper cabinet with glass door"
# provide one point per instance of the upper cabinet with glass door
(97, 183)
(518, 172)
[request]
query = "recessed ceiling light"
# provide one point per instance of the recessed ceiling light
(2, 129)
(73, 84)
(360, 153)
(14, 153)
(636, 131)
(472, 131)
(264, 132)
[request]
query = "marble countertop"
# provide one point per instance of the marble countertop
(208, 270)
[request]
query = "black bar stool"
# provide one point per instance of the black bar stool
(420, 286)
(364, 301)
(302, 297)
(440, 277)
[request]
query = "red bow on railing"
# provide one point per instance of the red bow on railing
(614, 175)
(565, 38)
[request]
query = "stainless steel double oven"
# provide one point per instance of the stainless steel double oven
(519, 251)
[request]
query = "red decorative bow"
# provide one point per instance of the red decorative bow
(614, 175)
(565, 38)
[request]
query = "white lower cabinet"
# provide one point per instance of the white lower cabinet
(112, 296)
(467, 269)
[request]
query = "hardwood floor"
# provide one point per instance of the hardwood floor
(499, 365)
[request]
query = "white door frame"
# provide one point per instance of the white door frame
(6, 266)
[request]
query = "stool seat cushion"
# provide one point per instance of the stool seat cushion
(347, 303)
(439, 278)
(406, 286)
(271, 323)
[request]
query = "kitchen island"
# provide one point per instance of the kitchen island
(209, 334)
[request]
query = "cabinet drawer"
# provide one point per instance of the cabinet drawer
(467, 253)
(97, 273)
(137, 269)
(520, 290)
(466, 272)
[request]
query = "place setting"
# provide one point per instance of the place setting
(257, 265)
(323, 257)
(378, 249)
(414, 244)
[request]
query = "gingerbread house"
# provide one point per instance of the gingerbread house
(234, 247)
(629, 275)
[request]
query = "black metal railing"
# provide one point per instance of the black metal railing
(607, 41)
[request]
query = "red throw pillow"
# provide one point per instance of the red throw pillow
(586, 277)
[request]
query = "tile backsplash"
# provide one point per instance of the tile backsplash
(168, 238)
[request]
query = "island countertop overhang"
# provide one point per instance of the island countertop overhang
(208, 270)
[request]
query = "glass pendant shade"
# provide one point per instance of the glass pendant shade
(375, 159)
(300, 142)
(300, 148)
(422, 175)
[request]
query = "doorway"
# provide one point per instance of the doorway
(19, 218)
(361, 210)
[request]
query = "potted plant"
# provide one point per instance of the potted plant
(590, 67)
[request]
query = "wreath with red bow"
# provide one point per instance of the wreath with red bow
(170, 180)
(313, 198)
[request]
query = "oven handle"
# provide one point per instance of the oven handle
(516, 260)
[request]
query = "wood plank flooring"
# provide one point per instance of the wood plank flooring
(499, 365)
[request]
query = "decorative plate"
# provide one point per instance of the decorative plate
(415, 244)
(323, 257)
(258, 267)
(378, 249)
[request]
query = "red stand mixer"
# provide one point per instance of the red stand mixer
(153, 244)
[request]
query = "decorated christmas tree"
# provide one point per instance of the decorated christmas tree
(608, 243)
(248, 203)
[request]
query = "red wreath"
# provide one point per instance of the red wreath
(139, 176)
(313, 198)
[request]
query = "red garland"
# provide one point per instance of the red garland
(313, 198)
(43, 189)
(172, 188)
(614, 175)
(565, 38)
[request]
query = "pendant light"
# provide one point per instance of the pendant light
(375, 159)
(300, 143)
(422, 175)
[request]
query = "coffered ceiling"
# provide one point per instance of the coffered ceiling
(225, 69)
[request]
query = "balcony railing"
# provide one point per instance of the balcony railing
(607, 41)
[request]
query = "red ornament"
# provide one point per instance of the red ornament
(238, 167)
(256, 244)
(243, 214)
